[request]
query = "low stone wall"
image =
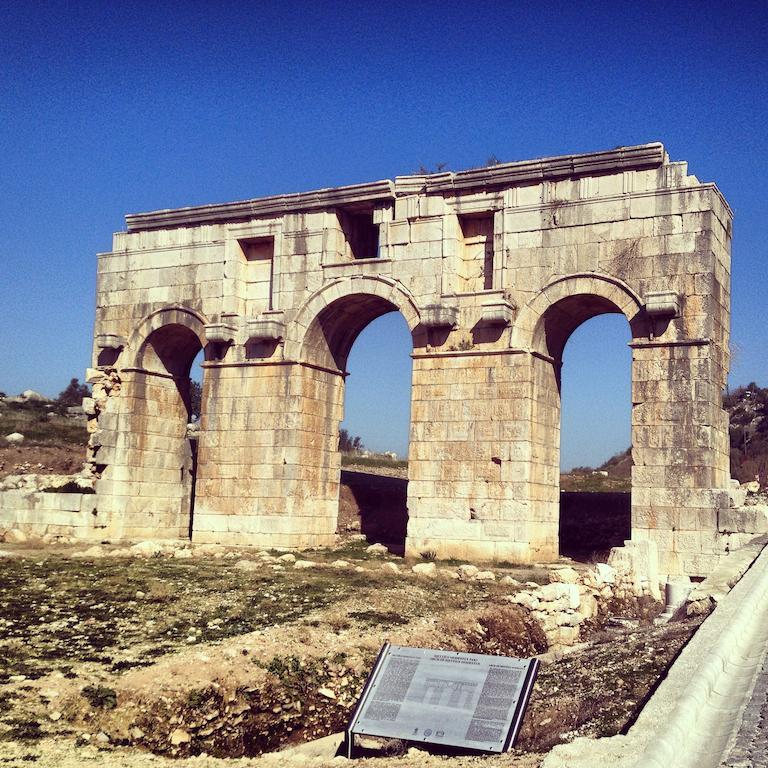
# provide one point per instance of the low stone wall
(50, 505)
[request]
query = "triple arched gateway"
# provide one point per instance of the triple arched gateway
(492, 269)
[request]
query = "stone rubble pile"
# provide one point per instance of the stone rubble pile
(35, 483)
(560, 607)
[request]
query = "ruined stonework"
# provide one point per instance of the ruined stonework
(492, 269)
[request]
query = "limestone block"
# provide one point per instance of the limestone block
(565, 575)
(556, 592)
(428, 570)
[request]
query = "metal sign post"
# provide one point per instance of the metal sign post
(465, 700)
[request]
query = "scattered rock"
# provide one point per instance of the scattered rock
(566, 595)
(180, 736)
(15, 536)
(340, 564)
(287, 558)
(468, 572)
(526, 599)
(327, 693)
(92, 553)
(15, 438)
(425, 569)
(391, 567)
(182, 554)
(30, 394)
(485, 576)
(300, 564)
(247, 565)
(509, 581)
(377, 549)
(566, 575)
(147, 549)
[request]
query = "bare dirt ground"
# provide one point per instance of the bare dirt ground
(224, 656)
(128, 661)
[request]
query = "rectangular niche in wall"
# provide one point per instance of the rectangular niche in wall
(360, 233)
(258, 254)
(475, 253)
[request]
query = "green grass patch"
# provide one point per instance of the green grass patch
(39, 425)
(351, 459)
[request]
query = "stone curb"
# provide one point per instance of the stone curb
(689, 720)
(724, 652)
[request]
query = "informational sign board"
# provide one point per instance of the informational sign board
(465, 700)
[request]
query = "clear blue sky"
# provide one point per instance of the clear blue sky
(108, 108)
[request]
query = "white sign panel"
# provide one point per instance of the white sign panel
(466, 700)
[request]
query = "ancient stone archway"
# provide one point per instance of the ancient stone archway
(492, 269)
(146, 459)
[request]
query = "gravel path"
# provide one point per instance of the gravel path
(750, 747)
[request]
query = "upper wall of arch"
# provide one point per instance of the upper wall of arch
(473, 255)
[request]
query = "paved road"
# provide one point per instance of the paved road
(750, 747)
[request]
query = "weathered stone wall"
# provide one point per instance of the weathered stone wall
(492, 269)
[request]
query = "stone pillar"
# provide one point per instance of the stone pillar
(680, 452)
(268, 465)
(477, 474)
(141, 444)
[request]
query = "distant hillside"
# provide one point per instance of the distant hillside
(747, 409)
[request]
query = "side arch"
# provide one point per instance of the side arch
(548, 319)
(172, 328)
(338, 311)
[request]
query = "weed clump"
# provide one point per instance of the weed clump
(99, 696)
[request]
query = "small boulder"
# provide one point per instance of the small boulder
(287, 558)
(29, 395)
(15, 438)
(182, 554)
(566, 595)
(247, 565)
(147, 549)
(390, 568)
(15, 536)
(303, 564)
(92, 553)
(526, 599)
(340, 564)
(565, 575)
(606, 574)
(180, 736)
(468, 572)
(509, 581)
(377, 549)
(485, 576)
(425, 569)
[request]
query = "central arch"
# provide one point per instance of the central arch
(321, 338)
(328, 323)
